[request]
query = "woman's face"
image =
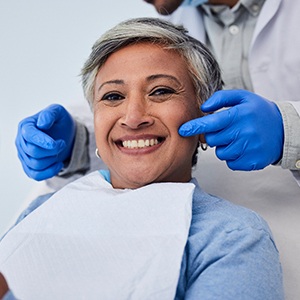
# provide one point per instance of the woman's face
(142, 95)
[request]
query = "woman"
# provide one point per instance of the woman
(143, 79)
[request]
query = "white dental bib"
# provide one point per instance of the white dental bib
(90, 241)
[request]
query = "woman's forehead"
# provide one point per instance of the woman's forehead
(144, 58)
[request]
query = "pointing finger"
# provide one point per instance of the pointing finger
(209, 123)
(221, 99)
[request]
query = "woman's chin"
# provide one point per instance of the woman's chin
(134, 180)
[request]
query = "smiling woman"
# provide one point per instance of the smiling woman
(140, 97)
(144, 229)
(137, 112)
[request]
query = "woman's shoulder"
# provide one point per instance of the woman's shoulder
(214, 211)
(225, 243)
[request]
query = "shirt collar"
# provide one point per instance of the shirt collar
(253, 6)
(228, 15)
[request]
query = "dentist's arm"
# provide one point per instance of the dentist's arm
(248, 135)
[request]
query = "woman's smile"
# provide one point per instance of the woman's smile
(144, 142)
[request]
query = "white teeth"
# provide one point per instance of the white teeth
(133, 144)
(141, 144)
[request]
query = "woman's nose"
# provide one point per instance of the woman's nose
(136, 114)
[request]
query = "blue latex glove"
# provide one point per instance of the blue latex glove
(248, 136)
(44, 141)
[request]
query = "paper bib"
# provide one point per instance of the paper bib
(90, 241)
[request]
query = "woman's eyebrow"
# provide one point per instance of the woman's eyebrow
(158, 76)
(149, 78)
(116, 81)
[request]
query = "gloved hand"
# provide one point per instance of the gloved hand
(44, 141)
(248, 136)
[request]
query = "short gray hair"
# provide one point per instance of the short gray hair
(202, 66)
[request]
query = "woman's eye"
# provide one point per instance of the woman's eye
(162, 92)
(112, 97)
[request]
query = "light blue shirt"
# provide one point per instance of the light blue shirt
(9, 296)
(229, 34)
